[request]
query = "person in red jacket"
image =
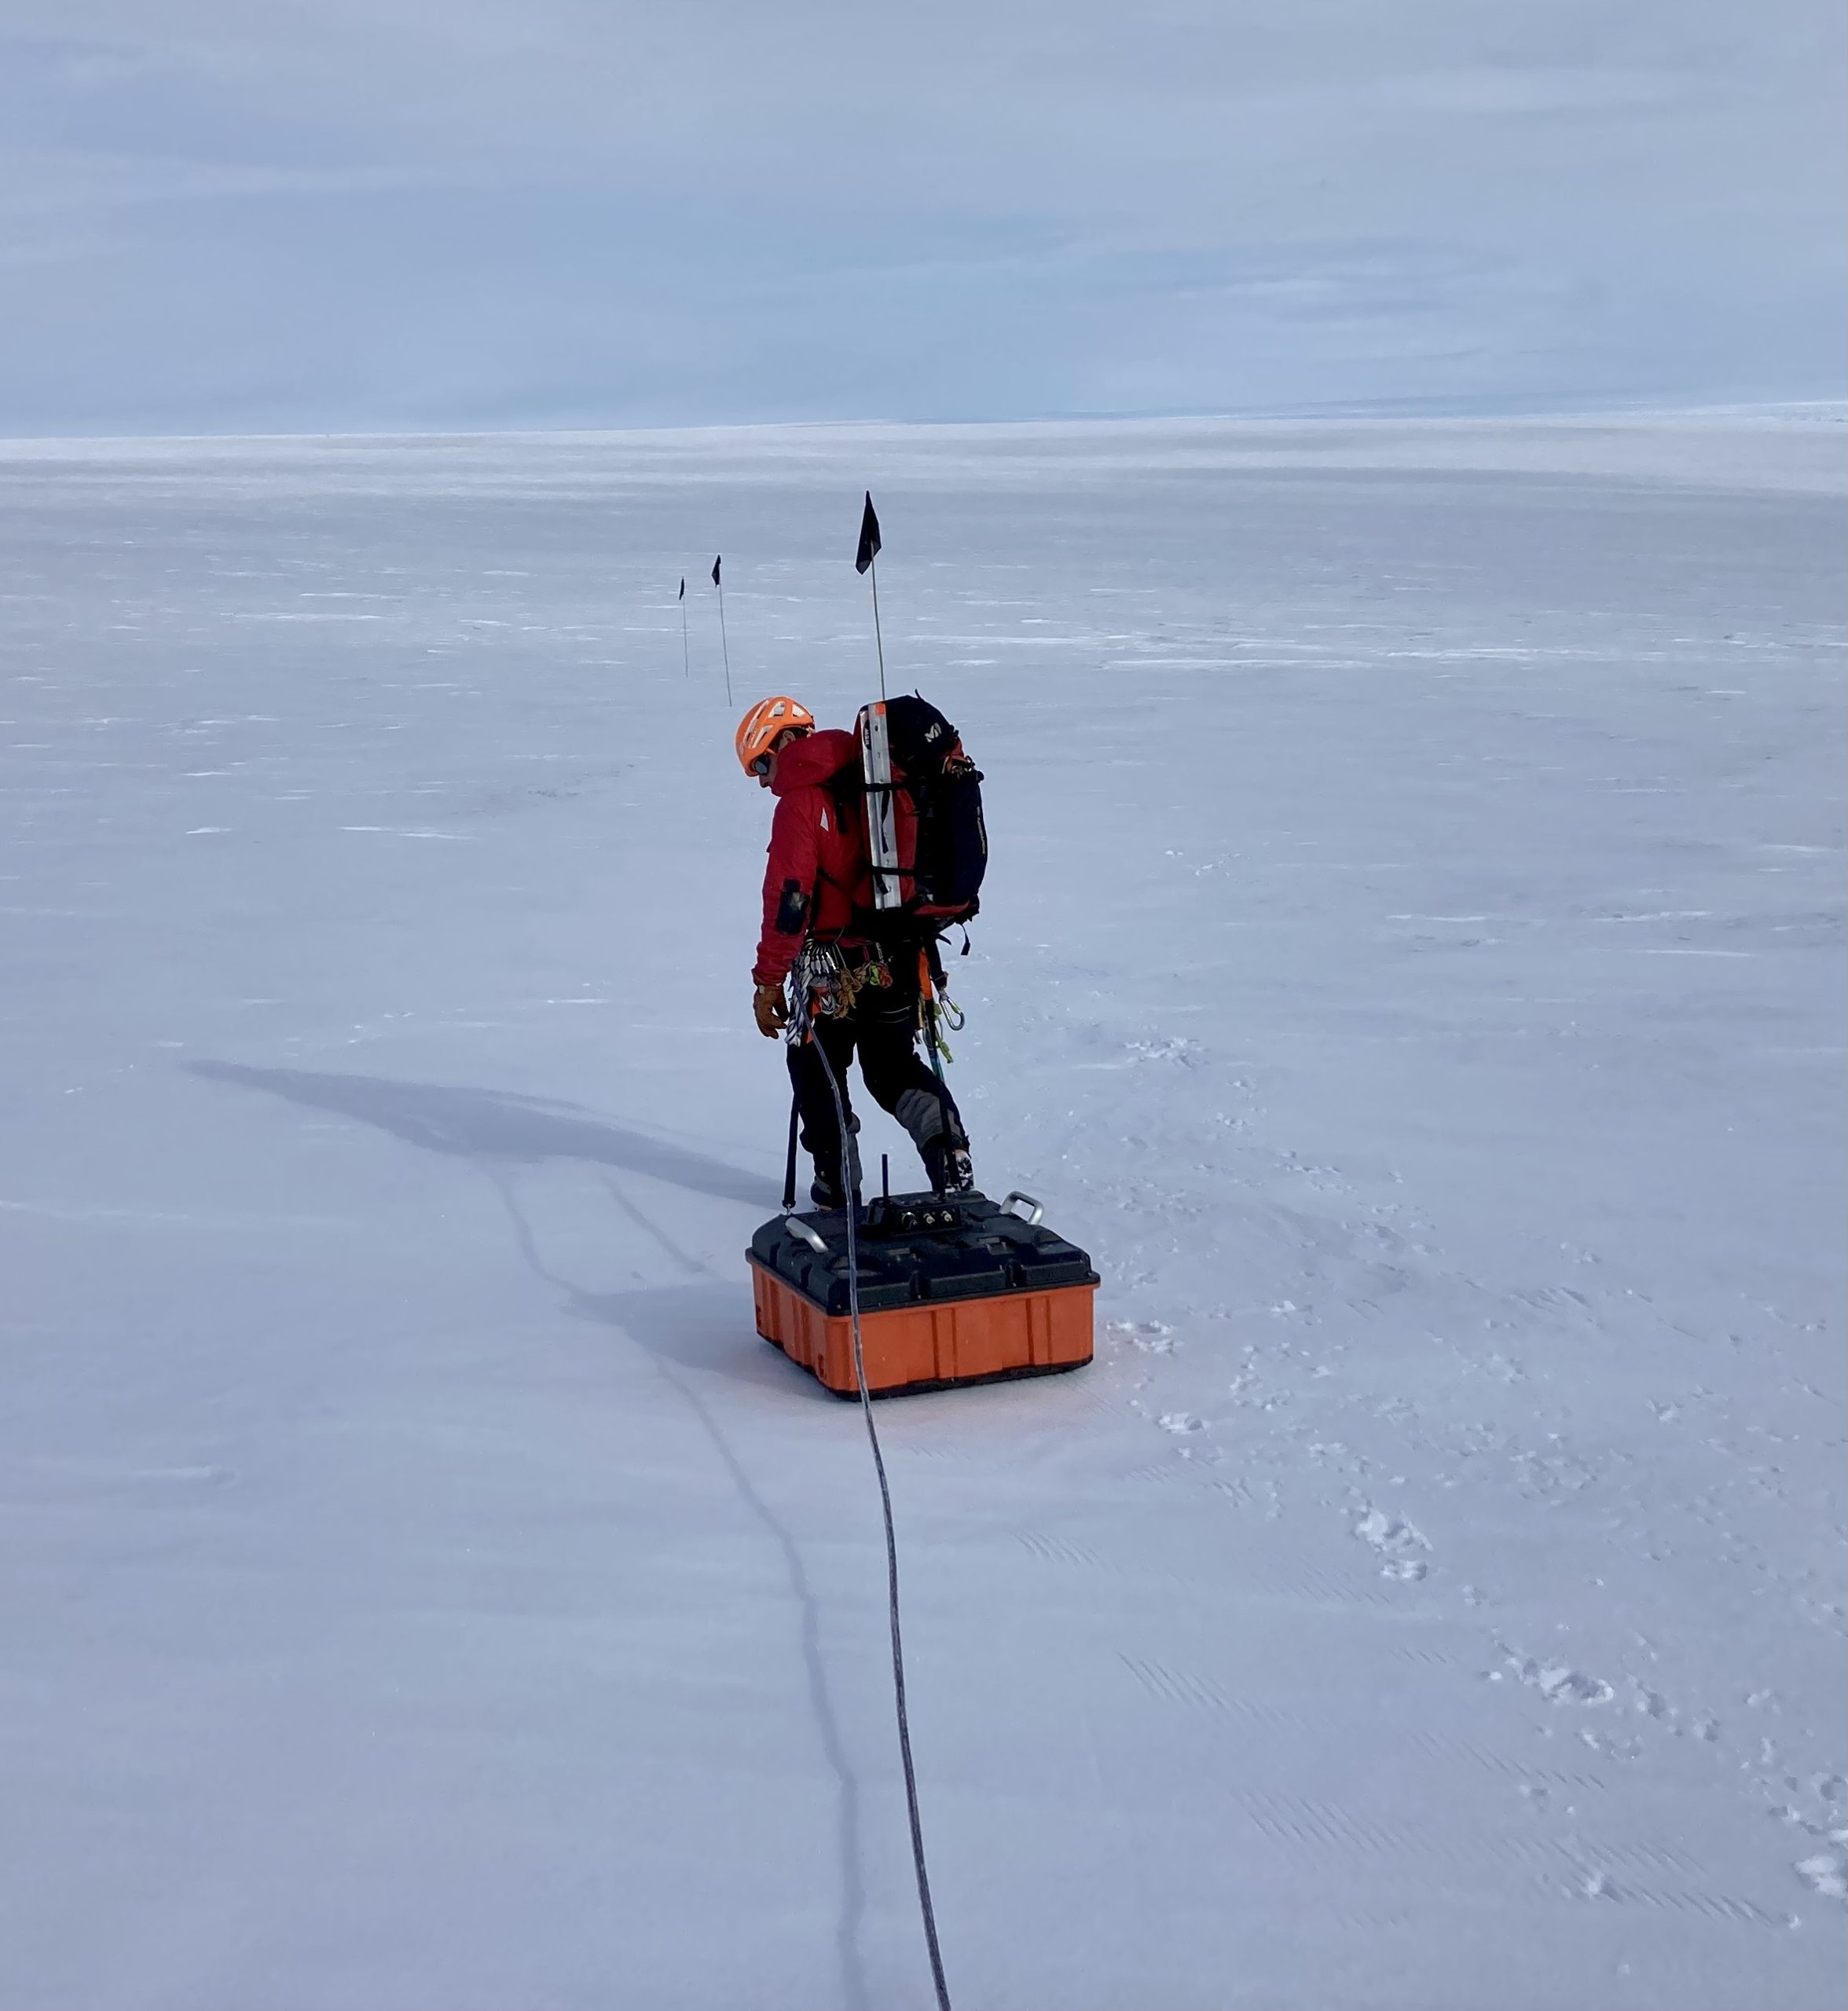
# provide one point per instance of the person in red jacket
(818, 890)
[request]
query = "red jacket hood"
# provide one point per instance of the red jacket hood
(808, 763)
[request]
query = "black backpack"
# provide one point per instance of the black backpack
(927, 844)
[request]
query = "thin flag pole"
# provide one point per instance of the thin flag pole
(725, 647)
(686, 648)
(879, 639)
(865, 560)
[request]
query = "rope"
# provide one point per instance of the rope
(850, 1166)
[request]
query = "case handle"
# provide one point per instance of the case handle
(1032, 1219)
(811, 1236)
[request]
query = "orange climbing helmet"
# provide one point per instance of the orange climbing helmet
(758, 729)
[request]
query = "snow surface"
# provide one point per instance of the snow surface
(1412, 967)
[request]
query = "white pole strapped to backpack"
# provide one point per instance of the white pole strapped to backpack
(875, 753)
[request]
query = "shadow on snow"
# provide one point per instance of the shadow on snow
(693, 1325)
(495, 1124)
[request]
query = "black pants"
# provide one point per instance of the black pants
(881, 1026)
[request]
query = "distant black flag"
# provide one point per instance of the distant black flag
(682, 594)
(724, 647)
(869, 537)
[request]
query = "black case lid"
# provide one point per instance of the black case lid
(919, 1248)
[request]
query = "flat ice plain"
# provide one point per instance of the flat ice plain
(1413, 966)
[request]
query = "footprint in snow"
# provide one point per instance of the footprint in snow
(1398, 1543)
(1150, 1336)
(1826, 1874)
(1180, 1421)
(1825, 1871)
(1559, 1682)
(1186, 1053)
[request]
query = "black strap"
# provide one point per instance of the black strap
(789, 1164)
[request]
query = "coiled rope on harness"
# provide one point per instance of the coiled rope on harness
(800, 1031)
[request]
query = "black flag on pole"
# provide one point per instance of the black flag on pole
(682, 594)
(869, 537)
(715, 572)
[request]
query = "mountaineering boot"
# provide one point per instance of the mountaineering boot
(949, 1166)
(937, 1132)
(831, 1185)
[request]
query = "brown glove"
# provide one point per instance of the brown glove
(771, 1010)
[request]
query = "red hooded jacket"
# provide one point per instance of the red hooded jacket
(817, 874)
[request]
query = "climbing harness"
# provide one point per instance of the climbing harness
(825, 983)
(821, 987)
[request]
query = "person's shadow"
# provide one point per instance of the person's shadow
(691, 1325)
(495, 1125)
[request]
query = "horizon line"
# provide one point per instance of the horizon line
(1375, 411)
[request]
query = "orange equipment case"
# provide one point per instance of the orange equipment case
(953, 1289)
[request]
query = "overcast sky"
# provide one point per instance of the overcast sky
(221, 215)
